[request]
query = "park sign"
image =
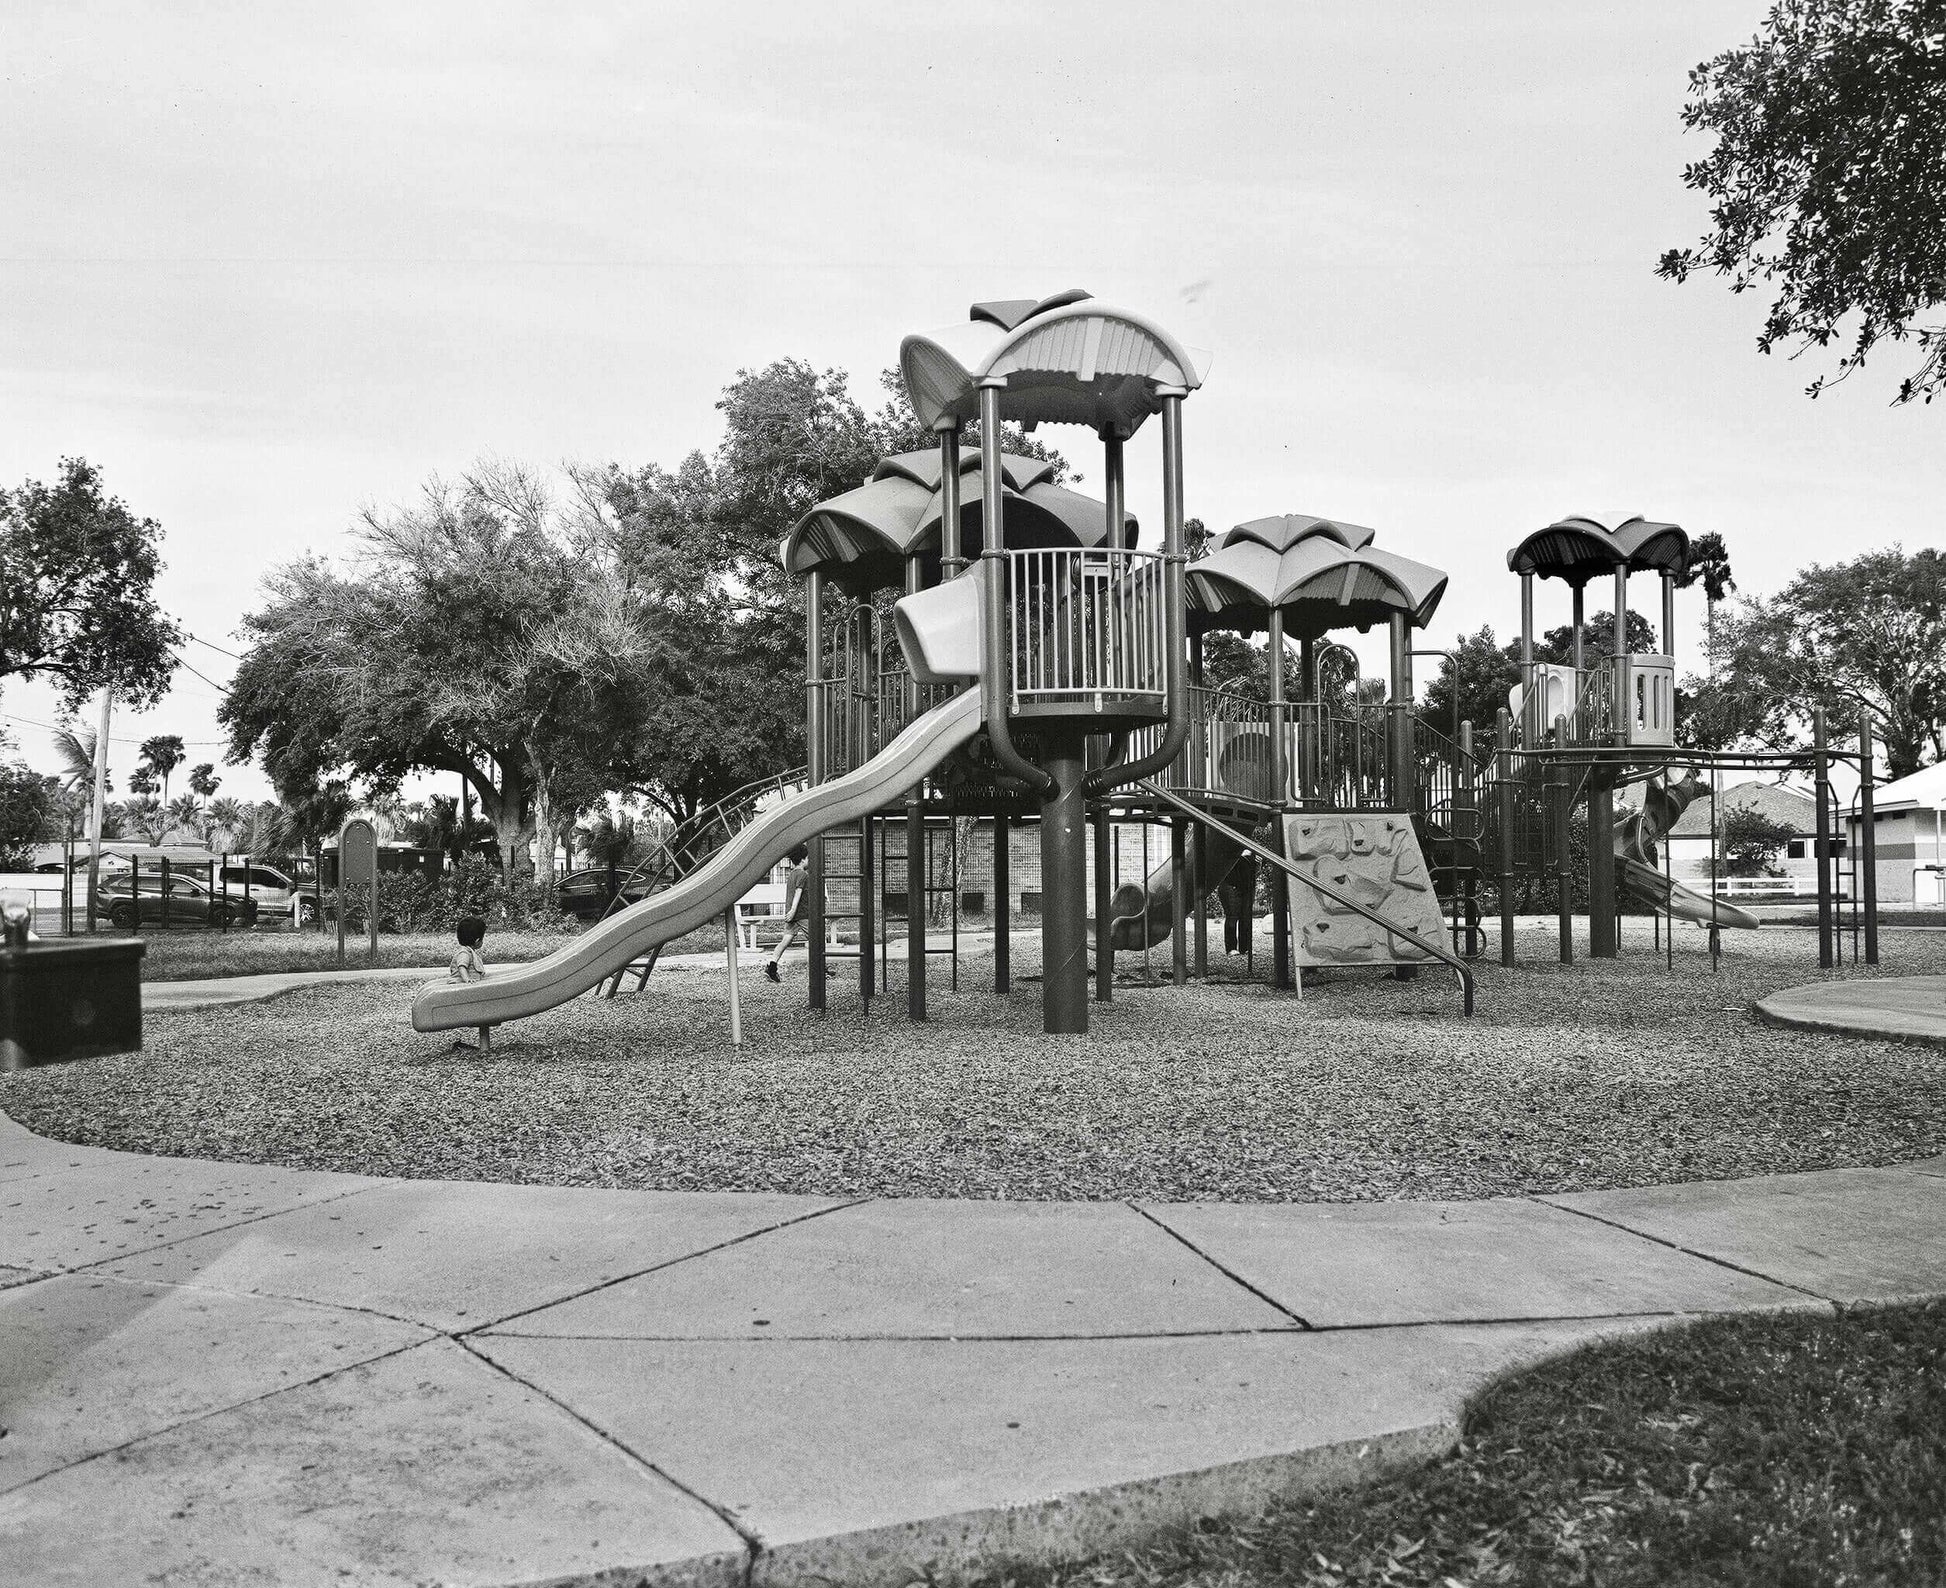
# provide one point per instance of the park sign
(358, 879)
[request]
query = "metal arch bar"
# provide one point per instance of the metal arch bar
(1425, 946)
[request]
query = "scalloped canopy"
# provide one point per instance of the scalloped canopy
(1585, 546)
(1068, 359)
(863, 538)
(1322, 574)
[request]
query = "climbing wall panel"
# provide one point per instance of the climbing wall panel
(1373, 857)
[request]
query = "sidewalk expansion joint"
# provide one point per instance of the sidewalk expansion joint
(430, 1330)
(751, 1542)
(1704, 1257)
(1228, 1273)
(332, 1372)
(656, 1268)
(218, 1229)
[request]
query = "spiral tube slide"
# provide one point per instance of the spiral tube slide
(705, 894)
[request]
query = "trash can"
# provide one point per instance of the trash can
(61, 1001)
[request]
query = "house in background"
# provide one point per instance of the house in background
(1911, 856)
(1689, 840)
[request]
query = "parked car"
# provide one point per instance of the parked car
(274, 893)
(584, 894)
(190, 903)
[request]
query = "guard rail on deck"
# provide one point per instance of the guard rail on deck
(1087, 626)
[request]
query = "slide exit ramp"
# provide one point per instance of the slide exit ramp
(1425, 945)
(706, 893)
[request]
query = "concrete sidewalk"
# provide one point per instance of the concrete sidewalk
(220, 1373)
(1882, 1008)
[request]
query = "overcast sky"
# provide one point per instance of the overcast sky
(265, 264)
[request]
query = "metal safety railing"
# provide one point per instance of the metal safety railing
(1087, 624)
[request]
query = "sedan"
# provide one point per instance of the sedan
(190, 904)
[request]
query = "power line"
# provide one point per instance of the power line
(216, 648)
(113, 738)
(213, 684)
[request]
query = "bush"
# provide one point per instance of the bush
(410, 901)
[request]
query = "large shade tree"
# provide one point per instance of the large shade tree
(1827, 183)
(407, 658)
(77, 591)
(1866, 634)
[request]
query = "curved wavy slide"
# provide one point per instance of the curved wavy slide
(1639, 860)
(703, 895)
(1155, 906)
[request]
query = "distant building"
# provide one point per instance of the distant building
(1689, 842)
(1911, 856)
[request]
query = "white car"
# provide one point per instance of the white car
(275, 893)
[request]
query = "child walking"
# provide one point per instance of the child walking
(797, 898)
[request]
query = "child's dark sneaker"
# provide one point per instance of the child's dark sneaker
(770, 970)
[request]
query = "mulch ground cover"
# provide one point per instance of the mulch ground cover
(1592, 1075)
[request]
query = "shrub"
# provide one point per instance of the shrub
(410, 901)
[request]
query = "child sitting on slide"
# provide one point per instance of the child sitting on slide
(467, 963)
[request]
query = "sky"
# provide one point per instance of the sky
(266, 265)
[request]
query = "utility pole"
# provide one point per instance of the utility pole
(101, 800)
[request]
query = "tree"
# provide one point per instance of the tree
(203, 780)
(26, 811)
(77, 571)
(1709, 562)
(1828, 178)
(421, 655)
(1867, 633)
(161, 755)
(1752, 841)
(227, 816)
(150, 818)
(1488, 671)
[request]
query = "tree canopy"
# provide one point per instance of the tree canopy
(77, 579)
(1866, 633)
(1827, 184)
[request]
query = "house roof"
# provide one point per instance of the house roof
(1786, 807)
(1926, 788)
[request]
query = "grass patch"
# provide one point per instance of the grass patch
(1761, 1452)
(200, 955)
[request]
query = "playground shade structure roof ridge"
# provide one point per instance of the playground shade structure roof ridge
(1068, 359)
(1585, 546)
(862, 538)
(1321, 574)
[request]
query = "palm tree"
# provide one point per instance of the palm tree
(227, 815)
(77, 753)
(185, 810)
(1709, 561)
(203, 780)
(161, 755)
(149, 817)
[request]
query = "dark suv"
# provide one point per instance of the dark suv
(190, 903)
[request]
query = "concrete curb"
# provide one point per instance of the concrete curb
(1822, 1007)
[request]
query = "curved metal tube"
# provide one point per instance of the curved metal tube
(1176, 685)
(995, 663)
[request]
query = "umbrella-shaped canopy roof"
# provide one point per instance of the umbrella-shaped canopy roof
(1067, 359)
(1320, 573)
(863, 538)
(1585, 546)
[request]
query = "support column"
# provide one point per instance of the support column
(1280, 896)
(1532, 724)
(1821, 764)
(867, 914)
(814, 771)
(1178, 898)
(951, 562)
(1602, 936)
(1563, 864)
(1865, 862)
(1003, 978)
(1064, 887)
(1579, 653)
(1404, 796)
(1667, 638)
(1504, 758)
(1104, 903)
(1309, 718)
(915, 846)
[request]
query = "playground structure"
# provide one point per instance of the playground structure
(982, 642)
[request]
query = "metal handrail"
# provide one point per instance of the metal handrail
(1086, 623)
(1425, 946)
(674, 857)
